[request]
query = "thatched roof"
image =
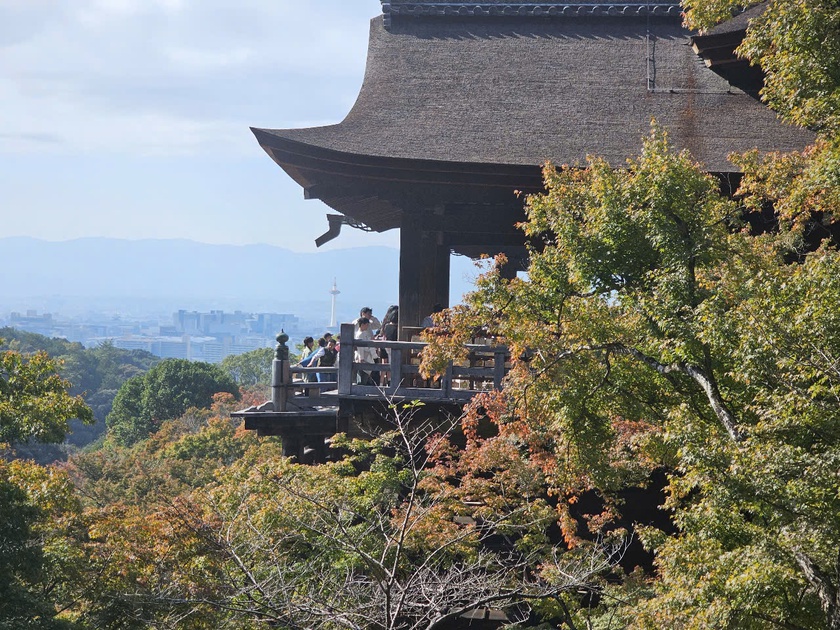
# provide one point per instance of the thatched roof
(530, 90)
(740, 22)
(459, 93)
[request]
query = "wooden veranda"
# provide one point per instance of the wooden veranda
(307, 408)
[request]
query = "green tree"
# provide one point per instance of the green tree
(42, 537)
(34, 400)
(127, 422)
(654, 331)
(165, 392)
(251, 368)
(95, 374)
(795, 43)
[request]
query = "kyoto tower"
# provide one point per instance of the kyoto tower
(334, 291)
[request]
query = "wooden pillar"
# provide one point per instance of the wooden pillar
(424, 270)
(292, 445)
(508, 271)
(442, 274)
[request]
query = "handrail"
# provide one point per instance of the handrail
(403, 370)
(398, 378)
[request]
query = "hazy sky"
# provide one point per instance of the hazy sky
(129, 118)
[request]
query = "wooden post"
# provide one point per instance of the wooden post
(292, 446)
(396, 359)
(446, 382)
(345, 360)
(280, 376)
(498, 368)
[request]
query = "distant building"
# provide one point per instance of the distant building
(33, 322)
(188, 347)
(192, 335)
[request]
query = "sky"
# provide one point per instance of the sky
(130, 118)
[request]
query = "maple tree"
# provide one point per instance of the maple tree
(653, 330)
(380, 539)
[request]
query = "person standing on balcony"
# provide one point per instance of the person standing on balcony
(308, 356)
(328, 360)
(388, 332)
(367, 313)
(365, 355)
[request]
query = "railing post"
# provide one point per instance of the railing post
(280, 376)
(313, 392)
(498, 368)
(345, 360)
(396, 358)
(446, 384)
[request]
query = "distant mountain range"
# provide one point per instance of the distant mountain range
(93, 273)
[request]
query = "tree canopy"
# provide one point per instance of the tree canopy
(163, 393)
(39, 537)
(95, 374)
(35, 404)
(654, 330)
(251, 368)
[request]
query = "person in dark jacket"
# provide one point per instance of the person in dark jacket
(328, 360)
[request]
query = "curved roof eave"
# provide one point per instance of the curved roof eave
(297, 154)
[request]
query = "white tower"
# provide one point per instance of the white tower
(334, 291)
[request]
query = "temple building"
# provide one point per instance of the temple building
(462, 103)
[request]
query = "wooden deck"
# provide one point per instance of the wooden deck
(306, 412)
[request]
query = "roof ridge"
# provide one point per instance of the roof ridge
(531, 2)
(525, 8)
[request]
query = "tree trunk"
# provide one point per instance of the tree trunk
(827, 591)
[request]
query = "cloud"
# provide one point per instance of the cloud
(173, 76)
(203, 60)
(46, 138)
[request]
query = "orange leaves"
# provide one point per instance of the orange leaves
(631, 436)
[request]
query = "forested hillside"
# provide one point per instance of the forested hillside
(96, 374)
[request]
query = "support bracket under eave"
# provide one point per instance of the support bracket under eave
(335, 222)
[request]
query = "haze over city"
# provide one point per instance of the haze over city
(129, 119)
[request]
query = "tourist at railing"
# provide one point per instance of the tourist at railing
(310, 358)
(328, 359)
(388, 332)
(365, 355)
(307, 351)
(366, 312)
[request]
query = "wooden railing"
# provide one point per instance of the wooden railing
(398, 378)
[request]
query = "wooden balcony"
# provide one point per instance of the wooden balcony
(306, 407)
